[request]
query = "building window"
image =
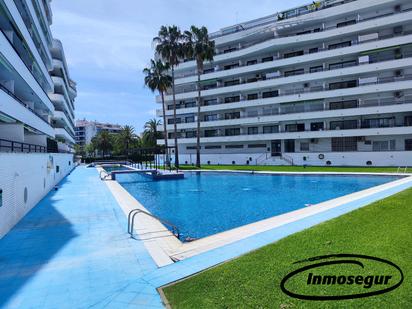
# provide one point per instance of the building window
(408, 144)
(378, 123)
(211, 117)
(1, 197)
(343, 104)
(210, 133)
(343, 85)
(191, 147)
(293, 54)
(318, 68)
(233, 146)
(313, 50)
(252, 130)
(213, 147)
(346, 23)
(232, 82)
(230, 66)
(234, 115)
(342, 144)
(294, 72)
(190, 119)
(300, 127)
(339, 45)
(343, 125)
(344, 64)
(251, 62)
(256, 146)
(190, 134)
(316, 126)
(383, 145)
(232, 131)
(210, 102)
(408, 121)
(232, 99)
(304, 146)
(270, 129)
(267, 59)
(253, 96)
(270, 94)
(190, 104)
(57, 169)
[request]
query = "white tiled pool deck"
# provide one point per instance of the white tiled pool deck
(73, 251)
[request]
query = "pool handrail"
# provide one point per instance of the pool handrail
(132, 214)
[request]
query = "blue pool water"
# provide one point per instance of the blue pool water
(203, 204)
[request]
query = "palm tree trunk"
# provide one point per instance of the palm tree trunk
(165, 127)
(198, 120)
(174, 119)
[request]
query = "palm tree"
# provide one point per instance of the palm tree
(150, 133)
(104, 142)
(198, 46)
(157, 79)
(169, 47)
(126, 137)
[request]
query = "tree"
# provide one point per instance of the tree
(151, 134)
(157, 79)
(125, 138)
(198, 46)
(103, 141)
(169, 46)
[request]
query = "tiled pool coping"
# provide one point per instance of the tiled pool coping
(165, 248)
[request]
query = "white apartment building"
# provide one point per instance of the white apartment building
(86, 130)
(329, 83)
(36, 108)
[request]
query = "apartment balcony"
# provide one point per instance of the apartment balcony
(301, 112)
(322, 54)
(373, 24)
(63, 118)
(272, 80)
(60, 101)
(24, 70)
(221, 137)
(378, 85)
(60, 82)
(63, 133)
(22, 112)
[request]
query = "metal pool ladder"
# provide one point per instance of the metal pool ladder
(132, 214)
(404, 169)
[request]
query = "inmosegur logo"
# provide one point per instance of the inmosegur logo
(342, 276)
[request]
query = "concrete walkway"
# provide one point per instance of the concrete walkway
(73, 251)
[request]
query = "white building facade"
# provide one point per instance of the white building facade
(329, 83)
(85, 130)
(36, 108)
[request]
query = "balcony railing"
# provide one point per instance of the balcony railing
(13, 146)
(307, 108)
(320, 30)
(221, 133)
(275, 58)
(263, 78)
(22, 103)
(379, 80)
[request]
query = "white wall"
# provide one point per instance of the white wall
(385, 158)
(32, 171)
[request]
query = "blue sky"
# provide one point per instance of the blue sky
(108, 43)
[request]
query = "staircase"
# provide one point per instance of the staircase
(267, 159)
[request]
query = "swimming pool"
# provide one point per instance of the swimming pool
(204, 204)
(112, 168)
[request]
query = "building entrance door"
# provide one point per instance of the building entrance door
(276, 148)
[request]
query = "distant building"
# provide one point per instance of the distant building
(86, 130)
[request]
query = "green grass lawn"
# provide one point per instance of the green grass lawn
(296, 168)
(382, 229)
